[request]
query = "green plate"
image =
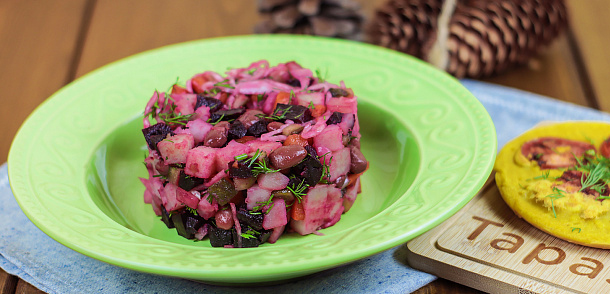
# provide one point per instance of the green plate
(75, 163)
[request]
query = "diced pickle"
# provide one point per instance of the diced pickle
(222, 191)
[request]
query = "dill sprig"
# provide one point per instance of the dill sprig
(275, 115)
(557, 195)
(595, 173)
(260, 167)
(299, 190)
(325, 168)
(173, 118)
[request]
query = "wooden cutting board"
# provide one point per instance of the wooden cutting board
(487, 247)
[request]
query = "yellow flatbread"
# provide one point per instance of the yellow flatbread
(528, 189)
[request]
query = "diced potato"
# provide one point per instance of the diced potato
(201, 162)
(175, 148)
(331, 137)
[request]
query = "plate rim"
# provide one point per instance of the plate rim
(15, 170)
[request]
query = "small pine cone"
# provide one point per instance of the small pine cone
(330, 18)
(484, 37)
(406, 26)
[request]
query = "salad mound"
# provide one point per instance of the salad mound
(245, 157)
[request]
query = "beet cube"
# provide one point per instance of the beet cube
(213, 103)
(246, 242)
(309, 169)
(165, 217)
(236, 130)
(219, 237)
(335, 118)
(193, 223)
(264, 236)
(179, 220)
(155, 134)
(296, 113)
(240, 170)
(254, 221)
(187, 182)
(226, 114)
(258, 128)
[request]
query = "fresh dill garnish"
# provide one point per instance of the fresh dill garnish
(299, 190)
(321, 78)
(557, 195)
(191, 210)
(325, 168)
(173, 118)
(544, 176)
(311, 105)
(217, 121)
(241, 157)
(574, 229)
(595, 173)
(275, 115)
(254, 158)
(260, 167)
(224, 84)
(260, 207)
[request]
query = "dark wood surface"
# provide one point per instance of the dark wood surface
(46, 44)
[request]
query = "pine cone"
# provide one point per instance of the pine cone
(484, 37)
(330, 18)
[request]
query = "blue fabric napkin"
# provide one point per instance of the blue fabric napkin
(31, 255)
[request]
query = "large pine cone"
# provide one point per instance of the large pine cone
(484, 37)
(330, 18)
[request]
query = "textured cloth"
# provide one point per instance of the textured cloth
(31, 255)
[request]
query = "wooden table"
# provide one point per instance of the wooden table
(44, 45)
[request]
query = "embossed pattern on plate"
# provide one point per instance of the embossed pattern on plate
(454, 135)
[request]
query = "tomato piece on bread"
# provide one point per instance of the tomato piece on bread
(552, 152)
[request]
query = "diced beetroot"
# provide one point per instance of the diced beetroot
(206, 209)
(340, 163)
(201, 162)
(273, 181)
(342, 104)
(350, 195)
(331, 137)
(199, 128)
(266, 146)
(256, 195)
(185, 103)
(170, 197)
(175, 148)
(334, 207)
(314, 204)
(228, 153)
(276, 216)
(187, 198)
(275, 235)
